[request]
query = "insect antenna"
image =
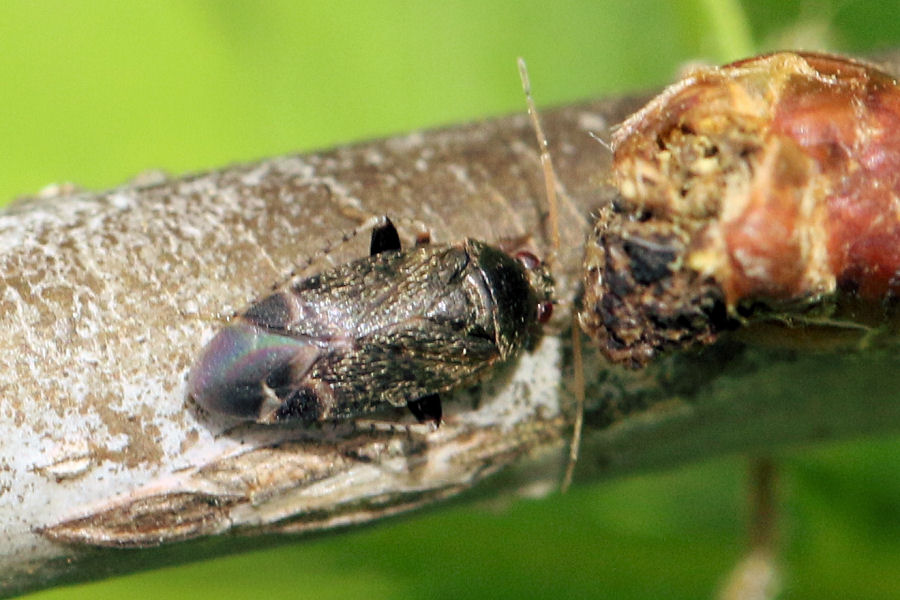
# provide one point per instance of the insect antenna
(550, 183)
(378, 223)
(369, 224)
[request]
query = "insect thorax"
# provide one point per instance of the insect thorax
(515, 293)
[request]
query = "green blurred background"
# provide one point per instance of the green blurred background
(94, 92)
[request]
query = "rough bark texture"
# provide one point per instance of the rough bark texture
(108, 297)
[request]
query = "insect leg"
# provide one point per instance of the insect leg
(384, 238)
(427, 408)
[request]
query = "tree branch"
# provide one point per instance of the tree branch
(108, 298)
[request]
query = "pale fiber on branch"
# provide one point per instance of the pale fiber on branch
(108, 297)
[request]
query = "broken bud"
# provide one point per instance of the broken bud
(767, 187)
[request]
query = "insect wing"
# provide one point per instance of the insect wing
(245, 368)
(359, 298)
(386, 329)
(389, 329)
(412, 361)
(419, 326)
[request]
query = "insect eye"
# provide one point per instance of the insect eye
(544, 311)
(528, 260)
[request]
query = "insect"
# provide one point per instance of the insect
(396, 328)
(763, 190)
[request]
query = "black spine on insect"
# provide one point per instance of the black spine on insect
(395, 328)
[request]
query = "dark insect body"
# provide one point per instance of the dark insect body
(394, 329)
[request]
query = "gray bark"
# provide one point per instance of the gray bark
(108, 297)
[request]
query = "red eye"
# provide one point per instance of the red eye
(544, 311)
(528, 260)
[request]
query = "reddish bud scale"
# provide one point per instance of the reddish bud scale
(771, 181)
